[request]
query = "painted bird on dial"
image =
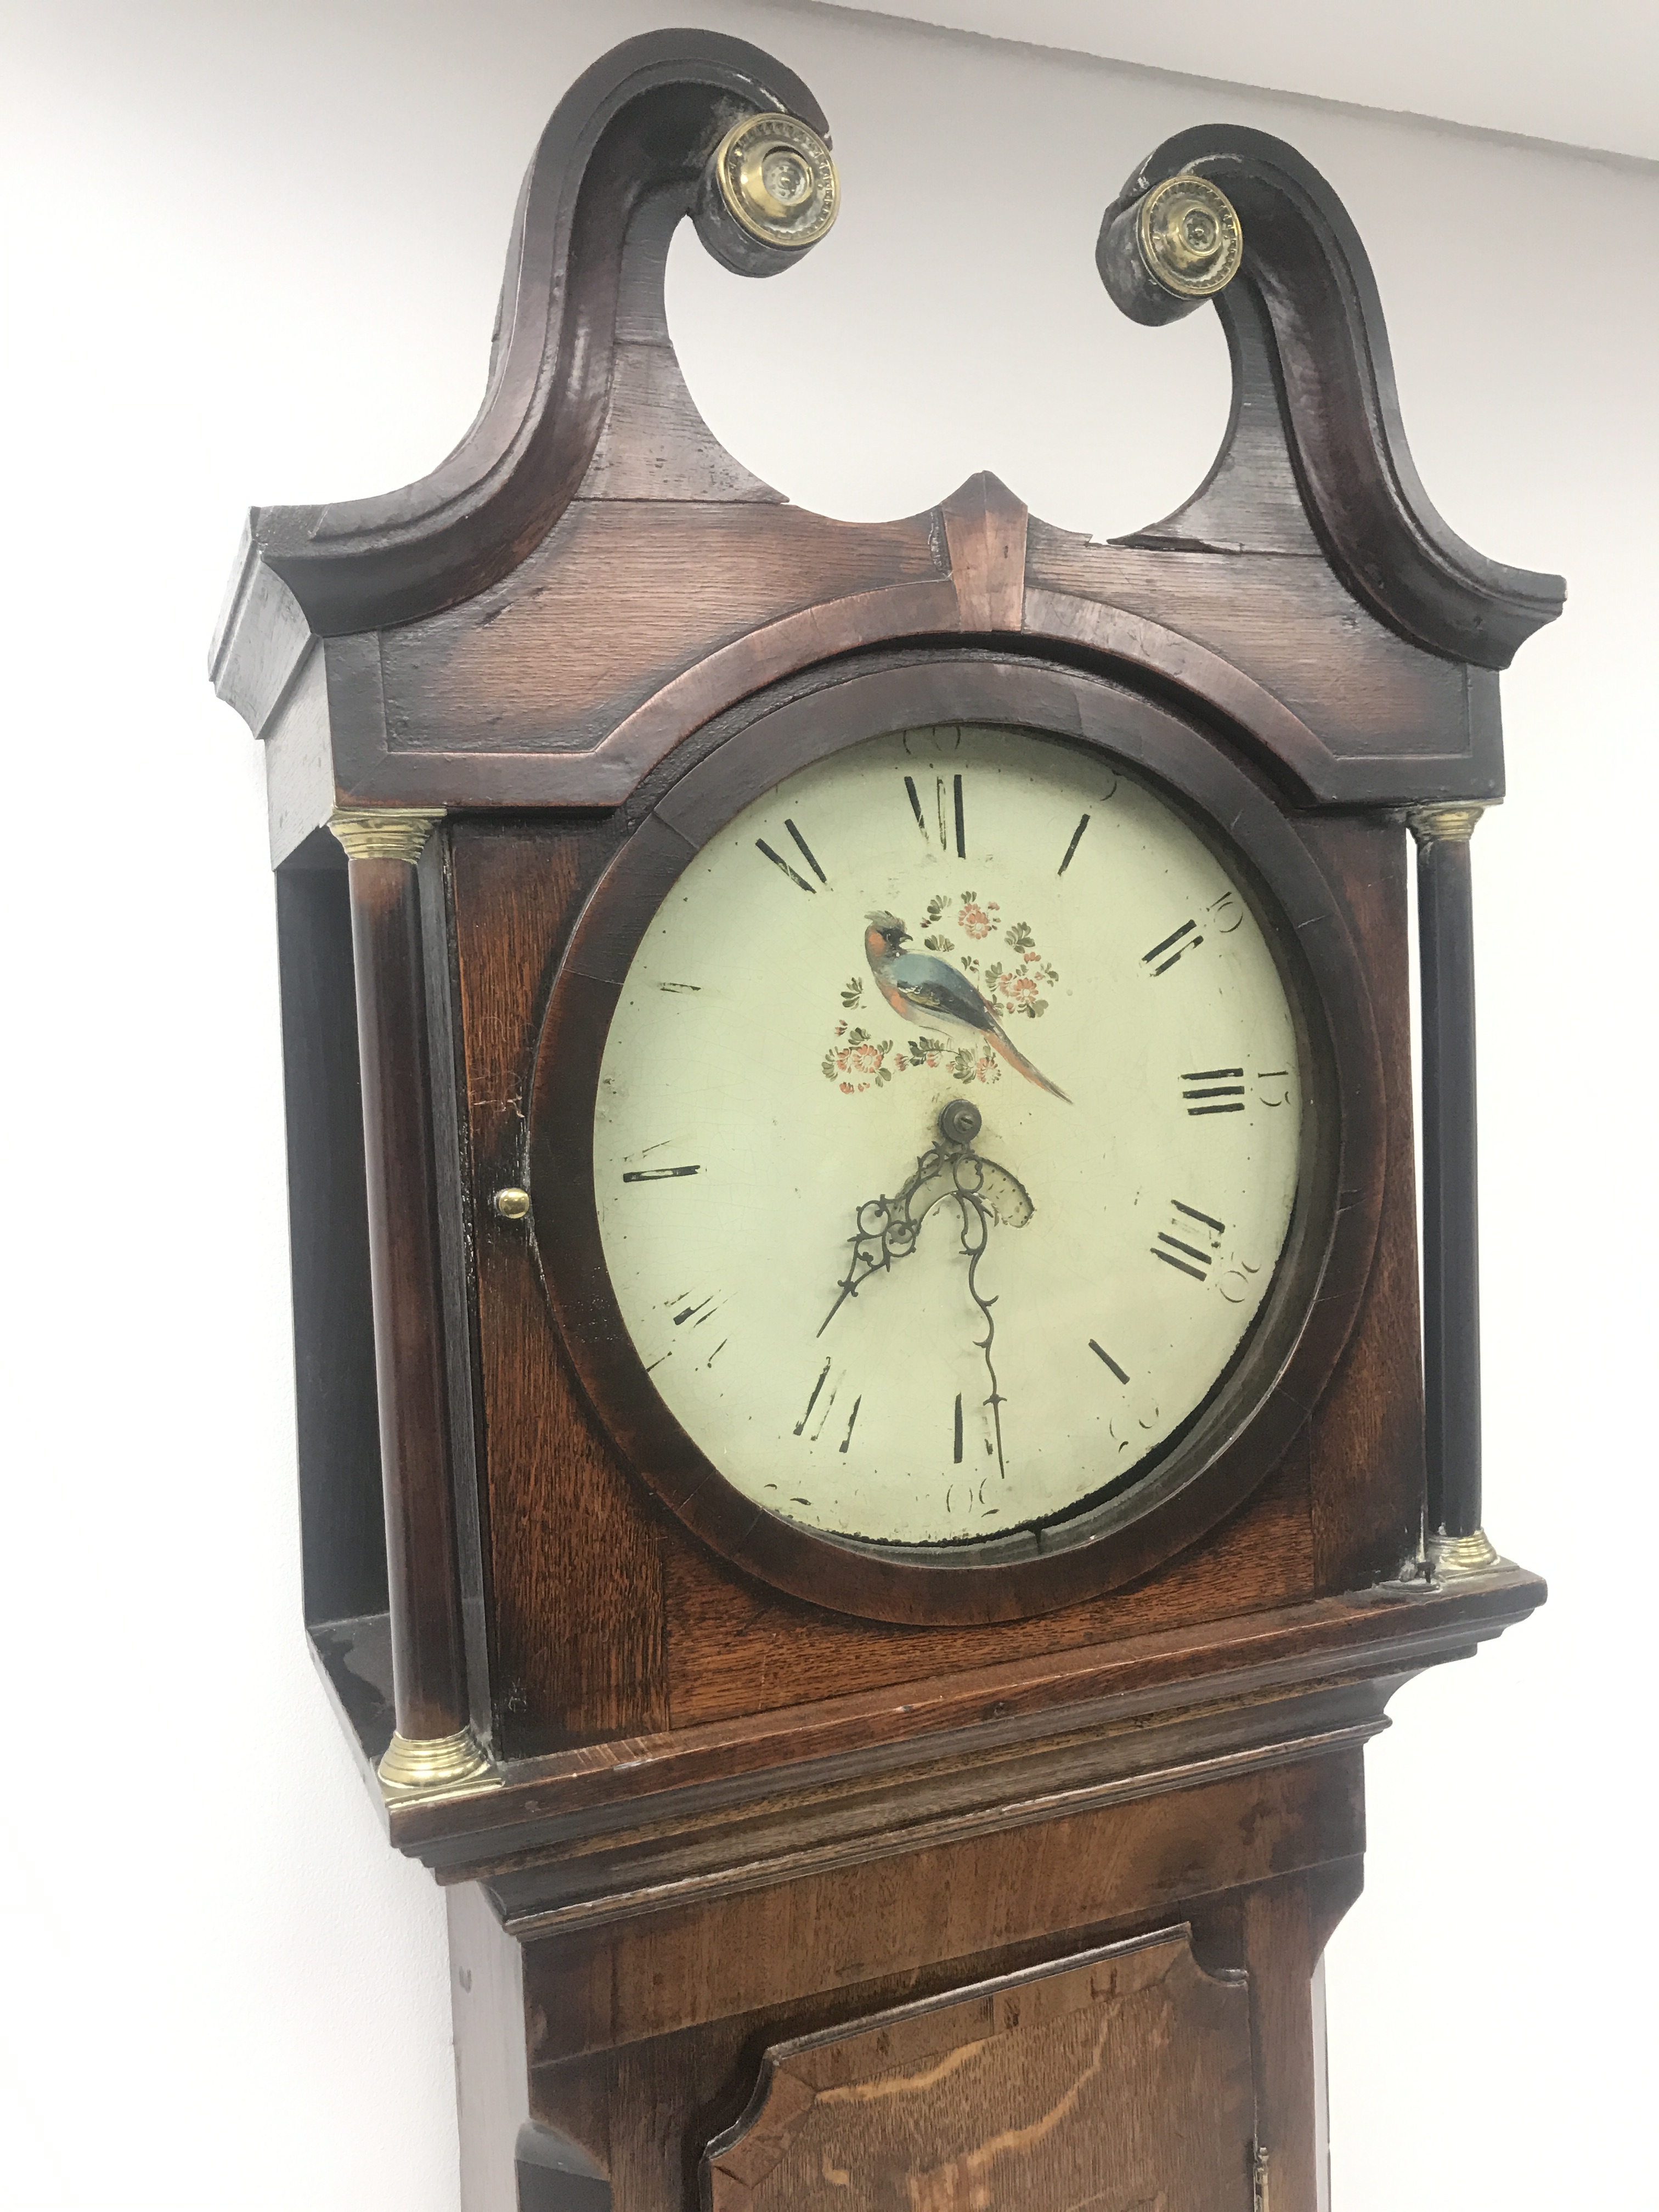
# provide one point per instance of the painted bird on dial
(926, 989)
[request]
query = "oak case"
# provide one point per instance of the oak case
(701, 1787)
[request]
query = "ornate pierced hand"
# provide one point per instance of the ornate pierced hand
(886, 1229)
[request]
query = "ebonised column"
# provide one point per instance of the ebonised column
(434, 1747)
(1451, 1224)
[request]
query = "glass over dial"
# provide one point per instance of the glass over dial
(947, 1137)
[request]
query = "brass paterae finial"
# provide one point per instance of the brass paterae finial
(779, 180)
(1191, 239)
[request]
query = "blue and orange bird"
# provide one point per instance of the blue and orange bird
(925, 990)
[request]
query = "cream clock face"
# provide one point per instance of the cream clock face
(947, 1136)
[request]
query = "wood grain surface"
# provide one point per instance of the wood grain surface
(1118, 2079)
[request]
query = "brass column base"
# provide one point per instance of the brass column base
(1453, 1558)
(439, 1762)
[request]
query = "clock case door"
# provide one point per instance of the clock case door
(1246, 1423)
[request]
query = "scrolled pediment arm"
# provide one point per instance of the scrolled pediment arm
(642, 122)
(1303, 272)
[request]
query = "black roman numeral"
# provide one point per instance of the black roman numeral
(1218, 1091)
(851, 1418)
(1077, 839)
(1180, 1252)
(806, 853)
(778, 862)
(1228, 1089)
(958, 808)
(1177, 944)
(823, 1377)
(822, 1405)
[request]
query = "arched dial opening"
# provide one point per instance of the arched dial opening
(938, 1138)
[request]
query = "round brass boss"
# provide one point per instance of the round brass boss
(778, 179)
(1190, 236)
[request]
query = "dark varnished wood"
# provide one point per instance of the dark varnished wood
(1281, 1954)
(940, 1909)
(342, 1518)
(734, 1648)
(1103, 2081)
(629, 2092)
(1366, 1432)
(1246, 1428)
(620, 2110)
(428, 1655)
(578, 1627)
(1256, 1672)
(1451, 1218)
(638, 126)
(1306, 283)
(442, 648)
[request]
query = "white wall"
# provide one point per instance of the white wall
(256, 257)
(1581, 72)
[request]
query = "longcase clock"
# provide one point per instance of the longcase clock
(874, 1433)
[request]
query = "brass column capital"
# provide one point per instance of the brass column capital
(385, 833)
(1442, 823)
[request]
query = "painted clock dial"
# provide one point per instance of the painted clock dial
(947, 1136)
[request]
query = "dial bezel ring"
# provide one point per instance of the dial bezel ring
(1247, 1422)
